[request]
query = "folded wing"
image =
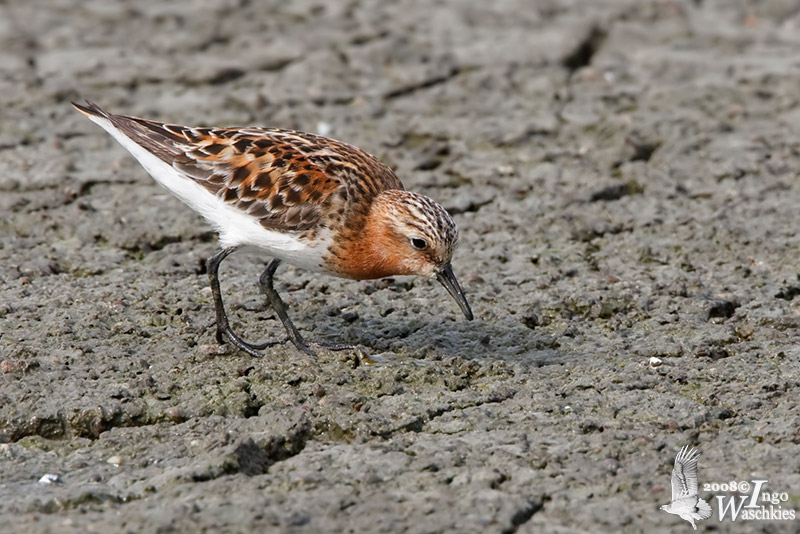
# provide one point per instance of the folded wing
(285, 179)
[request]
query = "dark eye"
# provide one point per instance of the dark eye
(419, 243)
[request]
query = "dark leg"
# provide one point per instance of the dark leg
(223, 328)
(280, 308)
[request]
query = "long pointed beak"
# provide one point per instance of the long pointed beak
(448, 280)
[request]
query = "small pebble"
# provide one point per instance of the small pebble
(655, 362)
(505, 170)
(115, 460)
(175, 414)
(49, 478)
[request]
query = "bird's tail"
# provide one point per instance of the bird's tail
(703, 509)
(90, 109)
(158, 138)
(158, 146)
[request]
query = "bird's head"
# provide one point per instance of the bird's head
(418, 233)
(409, 234)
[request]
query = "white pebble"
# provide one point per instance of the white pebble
(655, 362)
(49, 478)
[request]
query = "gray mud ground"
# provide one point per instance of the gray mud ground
(625, 178)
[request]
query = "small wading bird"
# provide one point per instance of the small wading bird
(310, 201)
(686, 502)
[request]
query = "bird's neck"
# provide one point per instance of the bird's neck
(371, 252)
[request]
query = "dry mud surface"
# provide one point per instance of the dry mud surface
(625, 178)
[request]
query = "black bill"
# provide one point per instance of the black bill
(448, 280)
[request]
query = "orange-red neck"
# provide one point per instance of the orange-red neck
(374, 253)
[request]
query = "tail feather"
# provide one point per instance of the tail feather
(158, 150)
(90, 109)
(153, 136)
(703, 509)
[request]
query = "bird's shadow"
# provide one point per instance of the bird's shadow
(406, 316)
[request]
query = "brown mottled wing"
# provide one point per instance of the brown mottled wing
(288, 180)
(285, 178)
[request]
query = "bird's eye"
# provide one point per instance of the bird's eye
(419, 243)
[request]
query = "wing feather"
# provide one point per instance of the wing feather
(289, 180)
(684, 474)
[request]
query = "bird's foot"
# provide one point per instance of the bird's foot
(303, 346)
(225, 334)
(335, 347)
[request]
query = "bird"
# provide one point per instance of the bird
(304, 199)
(686, 502)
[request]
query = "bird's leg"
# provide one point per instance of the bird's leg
(266, 282)
(223, 327)
(212, 268)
